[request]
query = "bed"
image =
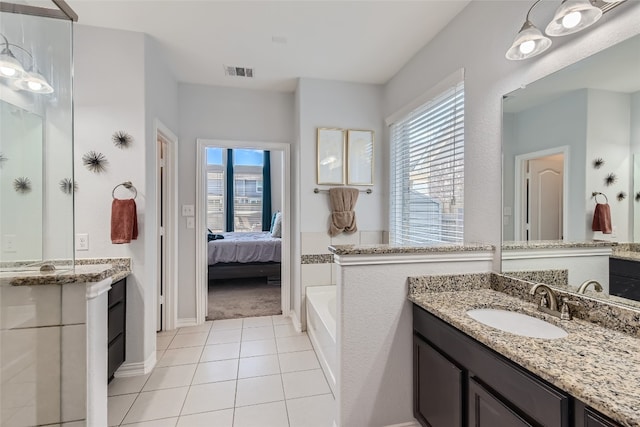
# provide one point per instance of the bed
(249, 254)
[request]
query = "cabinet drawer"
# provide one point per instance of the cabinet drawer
(587, 417)
(623, 267)
(625, 287)
(115, 356)
(117, 292)
(116, 320)
(542, 402)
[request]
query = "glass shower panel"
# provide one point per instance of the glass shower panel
(36, 216)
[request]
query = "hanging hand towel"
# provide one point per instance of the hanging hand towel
(602, 218)
(343, 217)
(124, 221)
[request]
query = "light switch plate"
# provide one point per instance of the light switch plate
(188, 210)
(191, 222)
(82, 242)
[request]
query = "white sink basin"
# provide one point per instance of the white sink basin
(517, 323)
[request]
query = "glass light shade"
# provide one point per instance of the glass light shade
(10, 67)
(573, 16)
(34, 82)
(528, 43)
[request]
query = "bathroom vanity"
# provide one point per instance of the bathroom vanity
(466, 373)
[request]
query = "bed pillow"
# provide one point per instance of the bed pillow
(276, 230)
(273, 221)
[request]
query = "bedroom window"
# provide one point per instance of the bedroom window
(247, 192)
(427, 171)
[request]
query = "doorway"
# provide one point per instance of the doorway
(540, 200)
(282, 188)
(166, 215)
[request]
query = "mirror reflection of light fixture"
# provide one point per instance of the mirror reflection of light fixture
(11, 68)
(529, 42)
(573, 16)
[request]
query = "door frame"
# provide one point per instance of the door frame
(201, 221)
(519, 186)
(170, 303)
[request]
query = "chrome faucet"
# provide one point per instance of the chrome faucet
(597, 286)
(549, 302)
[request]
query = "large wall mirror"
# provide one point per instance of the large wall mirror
(565, 137)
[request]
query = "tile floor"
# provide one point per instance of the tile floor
(252, 372)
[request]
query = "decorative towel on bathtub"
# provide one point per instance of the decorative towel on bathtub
(343, 217)
(124, 221)
(602, 218)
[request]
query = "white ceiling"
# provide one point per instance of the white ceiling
(354, 41)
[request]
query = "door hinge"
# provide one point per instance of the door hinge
(161, 299)
(161, 231)
(163, 163)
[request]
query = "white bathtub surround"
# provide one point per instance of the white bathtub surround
(374, 383)
(321, 327)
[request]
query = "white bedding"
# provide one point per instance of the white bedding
(244, 248)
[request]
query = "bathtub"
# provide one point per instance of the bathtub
(321, 328)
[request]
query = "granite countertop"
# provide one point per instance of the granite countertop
(626, 255)
(553, 244)
(392, 249)
(84, 271)
(598, 366)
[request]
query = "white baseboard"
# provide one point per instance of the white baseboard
(136, 368)
(409, 424)
(296, 321)
(187, 321)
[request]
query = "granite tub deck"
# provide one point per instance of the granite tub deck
(391, 249)
(84, 271)
(596, 365)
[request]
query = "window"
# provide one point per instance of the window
(247, 189)
(427, 172)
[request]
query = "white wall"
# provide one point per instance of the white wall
(108, 99)
(608, 137)
(225, 114)
(488, 75)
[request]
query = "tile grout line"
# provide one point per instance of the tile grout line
(284, 395)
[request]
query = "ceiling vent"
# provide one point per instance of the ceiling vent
(238, 71)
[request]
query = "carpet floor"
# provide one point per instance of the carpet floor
(236, 298)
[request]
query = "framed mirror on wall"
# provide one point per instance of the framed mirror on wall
(330, 147)
(360, 157)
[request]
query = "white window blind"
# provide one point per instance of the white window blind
(427, 172)
(215, 197)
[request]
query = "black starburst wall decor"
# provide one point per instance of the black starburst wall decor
(621, 196)
(3, 159)
(597, 163)
(67, 186)
(22, 184)
(121, 139)
(638, 196)
(95, 162)
(610, 179)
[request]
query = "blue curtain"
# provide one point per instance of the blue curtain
(266, 191)
(229, 193)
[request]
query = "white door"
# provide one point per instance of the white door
(544, 201)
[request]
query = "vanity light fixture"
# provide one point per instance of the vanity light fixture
(11, 68)
(529, 42)
(573, 16)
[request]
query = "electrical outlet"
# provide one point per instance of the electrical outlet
(82, 242)
(188, 210)
(9, 243)
(191, 222)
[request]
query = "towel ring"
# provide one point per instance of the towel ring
(597, 193)
(128, 185)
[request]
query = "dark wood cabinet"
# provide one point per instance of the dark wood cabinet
(487, 410)
(458, 381)
(439, 386)
(116, 329)
(624, 278)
